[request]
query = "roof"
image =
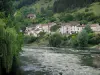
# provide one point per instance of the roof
(30, 15)
(94, 25)
(81, 25)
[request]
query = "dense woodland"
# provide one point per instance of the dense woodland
(62, 5)
(21, 3)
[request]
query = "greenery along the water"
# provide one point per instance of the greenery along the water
(9, 48)
(10, 39)
(85, 38)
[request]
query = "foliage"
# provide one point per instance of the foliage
(83, 22)
(29, 39)
(55, 40)
(94, 39)
(82, 38)
(74, 42)
(41, 34)
(10, 40)
(10, 45)
(63, 5)
(88, 29)
(6, 6)
(25, 3)
(55, 28)
(66, 17)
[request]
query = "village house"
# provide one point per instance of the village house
(39, 28)
(66, 28)
(46, 27)
(70, 28)
(31, 16)
(95, 28)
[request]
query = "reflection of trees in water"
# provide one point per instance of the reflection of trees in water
(91, 60)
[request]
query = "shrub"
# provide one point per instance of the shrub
(29, 39)
(88, 29)
(86, 10)
(74, 42)
(55, 40)
(55, 28)
(82, 38)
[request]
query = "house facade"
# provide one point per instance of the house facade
(39, 28)
(69, 28)
(95, 28)
(66, 28)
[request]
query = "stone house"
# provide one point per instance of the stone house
(31, 16)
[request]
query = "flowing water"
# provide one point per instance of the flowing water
(49, 61)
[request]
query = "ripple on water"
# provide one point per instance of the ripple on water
(48, 62)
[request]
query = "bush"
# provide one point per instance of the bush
(55, 40)
(86, 10)
(88, 29)
(94, 39)
(74, 42)
(55, 28)
(66, 17)
(29, 39)
(82, 38)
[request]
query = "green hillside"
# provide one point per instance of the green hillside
(42, 4)
(44, 12)
(95, 8)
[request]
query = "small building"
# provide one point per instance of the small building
(95, 28)
(31, 16)
(38, 28)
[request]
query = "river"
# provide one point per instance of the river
(48, 61)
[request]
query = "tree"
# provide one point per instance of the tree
(88, 29)
(6, 6)
(82, 38)
(10, 46)
(55, 40)
(73, 41)
(55, 28)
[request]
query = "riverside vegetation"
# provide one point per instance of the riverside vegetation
(10, 40)
(86, 38)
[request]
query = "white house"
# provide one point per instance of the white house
(38, 28)
(95, 28)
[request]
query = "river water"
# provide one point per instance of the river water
(49, 61)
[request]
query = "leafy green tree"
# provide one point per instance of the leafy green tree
(10, 46)
(55, 40)
(88, 29)
(82, 38)
(6, 6)
(73, 41)
(83, 22)
(55, 28)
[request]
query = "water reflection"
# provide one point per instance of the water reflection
(59, 61)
